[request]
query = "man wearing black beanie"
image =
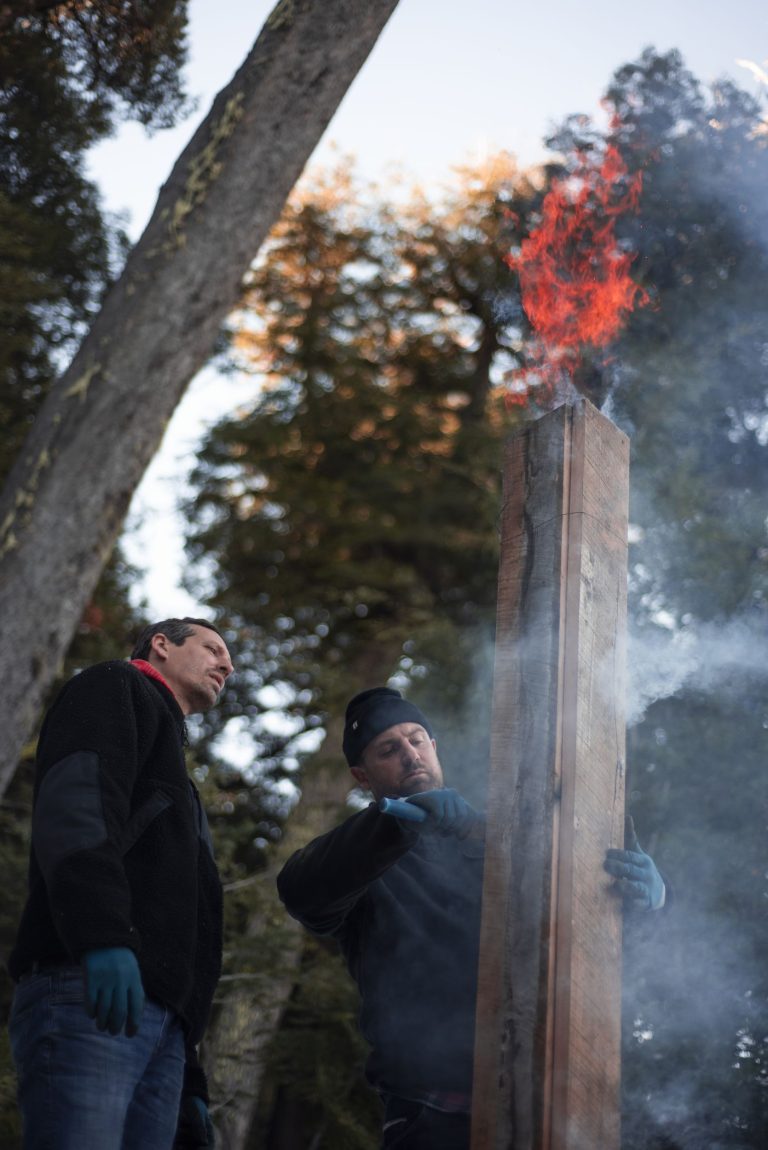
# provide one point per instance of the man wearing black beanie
(399, 886)
(403, 900)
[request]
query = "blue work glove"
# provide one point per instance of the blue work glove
(195, 1129)
(635, 871)
(447, 812)
(114, 995)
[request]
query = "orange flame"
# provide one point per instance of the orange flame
(574, 277)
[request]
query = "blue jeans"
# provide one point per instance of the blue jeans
(81, 1088)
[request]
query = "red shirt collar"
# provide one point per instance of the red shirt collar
(151, 672)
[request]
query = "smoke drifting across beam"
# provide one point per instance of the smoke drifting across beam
(710, 657)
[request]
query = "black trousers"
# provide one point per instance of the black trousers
(415, 1126)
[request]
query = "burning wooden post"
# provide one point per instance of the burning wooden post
(547, 1062)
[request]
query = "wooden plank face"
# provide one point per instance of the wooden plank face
(547, 1059)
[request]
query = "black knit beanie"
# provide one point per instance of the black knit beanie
(370, 713)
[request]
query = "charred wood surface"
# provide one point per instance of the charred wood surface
(547, 1064)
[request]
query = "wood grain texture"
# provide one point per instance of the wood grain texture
(547, 1061)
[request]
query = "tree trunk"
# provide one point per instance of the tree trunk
(67, 495)
(238, 1038)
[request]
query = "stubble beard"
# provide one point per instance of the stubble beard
(421, 783)
(203, 696)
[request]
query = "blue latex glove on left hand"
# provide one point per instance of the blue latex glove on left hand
(447, 812)
(195, 1130)
(114, 994)
(635, 871)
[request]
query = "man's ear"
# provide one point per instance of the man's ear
(159, 645)
(360, 775)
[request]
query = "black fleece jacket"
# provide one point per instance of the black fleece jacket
(121, 853)
(405, 909)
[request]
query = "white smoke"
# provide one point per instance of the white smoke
(710, 657)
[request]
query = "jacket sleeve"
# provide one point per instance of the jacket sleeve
(321, 883)
(87, 767)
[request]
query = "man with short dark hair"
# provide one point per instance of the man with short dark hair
(119, 947)
(401, 893)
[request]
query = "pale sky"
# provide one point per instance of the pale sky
(447, 82)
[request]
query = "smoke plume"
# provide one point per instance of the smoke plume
(711, 657)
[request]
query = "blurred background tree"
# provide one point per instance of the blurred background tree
(70, 72)
(692, 392)
(346, 482)
(343, 532)
(346, 522)
(689, 382)
(320, 516)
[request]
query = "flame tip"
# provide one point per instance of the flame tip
(575, 282)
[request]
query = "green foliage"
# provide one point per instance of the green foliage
(701, 236)
(326, 503)
(355, 504)
(119, 58)
(349, 518)
(690, 386)
(351, 514)
(55, 256)
(314, 1092)
(69, 72)
(695, 980)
